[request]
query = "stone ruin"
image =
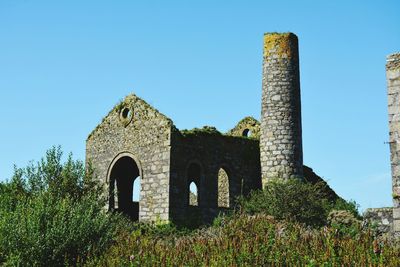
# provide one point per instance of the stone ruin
(393, 81)
(387, 220)
(135, 141)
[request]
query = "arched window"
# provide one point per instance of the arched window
(193, 184)
(223, 189)
(246, 133)
(193, 195)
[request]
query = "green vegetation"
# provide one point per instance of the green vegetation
(201, 131)
(51, 214)
(211, 131)
(258, 240)
(295, 200)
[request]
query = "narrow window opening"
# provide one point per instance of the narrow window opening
(193, 195)
(136, 190)
(193, 185)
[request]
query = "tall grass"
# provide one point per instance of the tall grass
(257, 240)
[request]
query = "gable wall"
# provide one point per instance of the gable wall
(147, 139)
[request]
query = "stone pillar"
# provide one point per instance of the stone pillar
(281, 139)
(393, 83)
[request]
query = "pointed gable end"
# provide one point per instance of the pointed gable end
(132, 116)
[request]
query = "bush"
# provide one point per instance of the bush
(345, 222)
(289, 200)
(350, 206)
(51, 214)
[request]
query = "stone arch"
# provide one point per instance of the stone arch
(223, 188)
(194, 173)
(247, 127)
(246, 132)
(124, 170)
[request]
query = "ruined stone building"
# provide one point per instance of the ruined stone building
(387, 219)
(136, 140)
(393, 81)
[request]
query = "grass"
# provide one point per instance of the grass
(259, 240)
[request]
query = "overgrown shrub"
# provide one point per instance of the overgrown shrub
(289, 200)
(295, 200)
(343, 217)
(51, 214)
(345, 222)
(350, 206)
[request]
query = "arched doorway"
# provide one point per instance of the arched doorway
(123, 175)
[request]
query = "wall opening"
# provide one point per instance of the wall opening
(193, 195)
(223, 189)
(136, 190)
(246, 133)
(124, 180)
(193, 183)
(126, 113)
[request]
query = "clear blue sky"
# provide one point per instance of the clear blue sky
(64, 64)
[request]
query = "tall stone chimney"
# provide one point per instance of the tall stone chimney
(281, 136)
(393, 83)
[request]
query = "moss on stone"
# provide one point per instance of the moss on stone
(131, 101)
(212, 131)
(248, 123)
(281, 42)
(206, 130)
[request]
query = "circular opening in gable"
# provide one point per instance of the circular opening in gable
(126, 113)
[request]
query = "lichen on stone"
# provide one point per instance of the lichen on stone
(281, 42)
(249, 124)
(393, 61)
(132, 101)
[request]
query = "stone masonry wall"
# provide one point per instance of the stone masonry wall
(135, 129)
(246, 127)
(281, 134)
(211, 150)
(381, 218)
(393, 82)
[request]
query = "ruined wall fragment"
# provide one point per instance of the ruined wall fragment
(393, 83)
